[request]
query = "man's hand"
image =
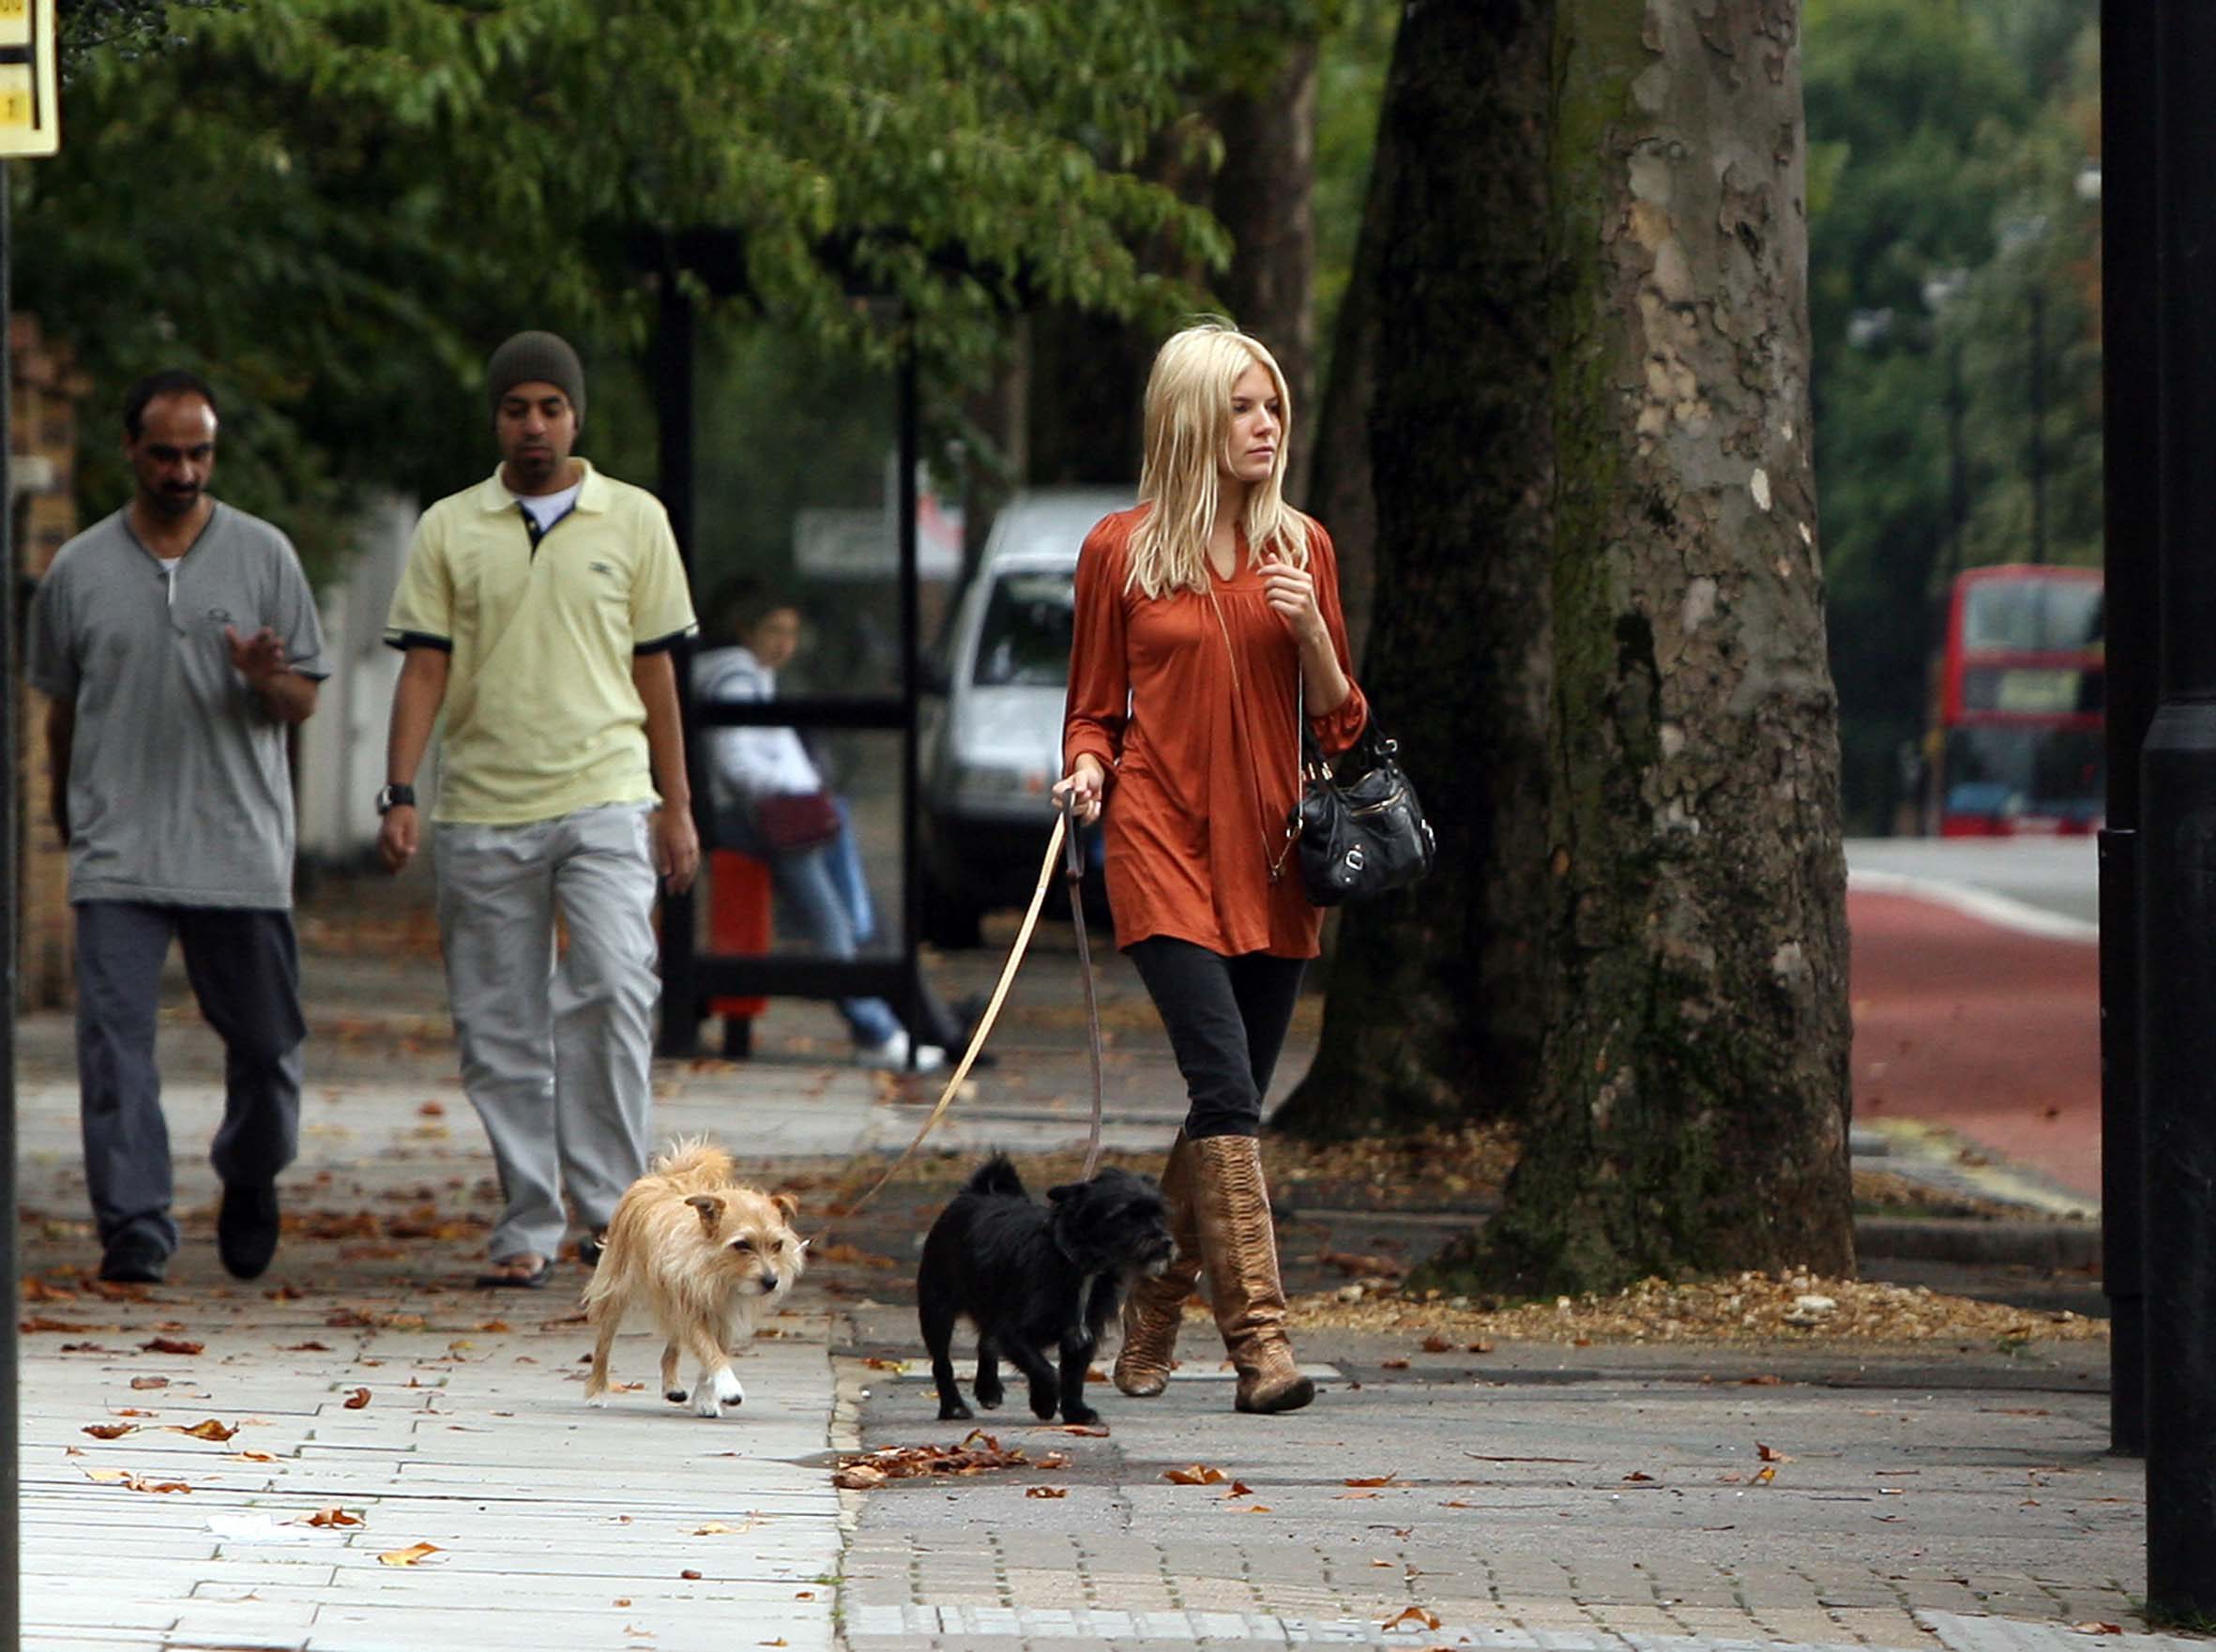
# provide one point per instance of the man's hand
(676, 847)
(396, 837)
(257, 658)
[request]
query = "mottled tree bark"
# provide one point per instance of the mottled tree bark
(1694, 1112)
(1263, 194)
(1437, 994)
(1340, 492)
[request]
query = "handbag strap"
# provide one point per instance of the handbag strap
(1275, 862)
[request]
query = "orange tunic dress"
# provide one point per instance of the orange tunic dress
(1196, 724)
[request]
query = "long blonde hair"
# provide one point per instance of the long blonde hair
(1188, 429)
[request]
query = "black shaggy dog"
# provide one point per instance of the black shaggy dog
(1032, 1277)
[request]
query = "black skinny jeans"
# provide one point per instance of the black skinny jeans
(1226, 1019)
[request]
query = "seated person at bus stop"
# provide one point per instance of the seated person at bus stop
(771, 801)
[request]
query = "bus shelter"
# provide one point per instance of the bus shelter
(694, 973)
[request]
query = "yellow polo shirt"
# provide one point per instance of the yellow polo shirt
(541, 717)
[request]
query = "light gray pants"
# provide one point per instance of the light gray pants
(245, 969)
(554, 1055)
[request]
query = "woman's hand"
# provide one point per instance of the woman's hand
(1291, 593)
(1083, 783)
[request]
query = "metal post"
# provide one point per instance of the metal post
(12, 789)
(910, 440)
(2039, 420)
(681, 1004)
(2177, 855)
(2129, 59)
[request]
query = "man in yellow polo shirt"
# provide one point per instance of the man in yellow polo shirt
(538, 609)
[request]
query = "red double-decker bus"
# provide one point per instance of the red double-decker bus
(2022, 689)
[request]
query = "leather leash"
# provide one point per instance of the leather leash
(1072, 845)
(1065, 838)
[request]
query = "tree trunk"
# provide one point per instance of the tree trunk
(1263, 195)
(1437, 994)
(1694, 1111)
(1340, 489)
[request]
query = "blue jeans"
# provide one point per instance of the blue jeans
(809, 882)
(821, 886)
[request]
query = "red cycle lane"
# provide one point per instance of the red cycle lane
(1987, 1031)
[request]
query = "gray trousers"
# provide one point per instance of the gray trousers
(245, 969)
(554, 1053)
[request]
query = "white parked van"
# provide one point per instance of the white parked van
(995, 750)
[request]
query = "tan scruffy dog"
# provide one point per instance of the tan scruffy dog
(705, 1255)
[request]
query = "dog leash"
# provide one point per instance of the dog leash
(1074, 874)
(1065, 835)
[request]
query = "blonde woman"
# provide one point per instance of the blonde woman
(1208, 628)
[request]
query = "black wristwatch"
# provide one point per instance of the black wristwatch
(393, 797)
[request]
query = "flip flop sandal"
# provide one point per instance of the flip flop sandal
(515, 1281)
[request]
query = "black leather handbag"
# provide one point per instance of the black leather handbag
(1364, 835)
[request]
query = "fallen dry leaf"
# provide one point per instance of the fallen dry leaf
(149, 1382)
(208, 1429)
(1374, 1480)
(1435, 1343)
(1054, 1460)
(1393, 1364)
(171, 1345)
(2098, 1628)
(1769, 1453)
(1767, 1476)
(1352, 1496)
(109, 1431)
(1238, 1489)
(895, 1366)
(39, 1325)
(1635, 1474)
(858, 1477)
(408, 1557)
(131, 1482)
(250, 1455)
(843, 1252)
(356, 1400)
(1199, 1474)
(306, 1348)
(1411, 1617)
(690, 1575)
(1046, 1490)
(329, 1517)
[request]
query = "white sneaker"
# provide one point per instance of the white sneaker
(893, 1053)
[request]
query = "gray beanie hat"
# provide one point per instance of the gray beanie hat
(536, 358)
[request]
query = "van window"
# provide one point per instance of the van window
(1025, 635)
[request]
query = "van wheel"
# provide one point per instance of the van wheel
(950, 924)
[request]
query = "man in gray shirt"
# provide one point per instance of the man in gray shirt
(177, 641)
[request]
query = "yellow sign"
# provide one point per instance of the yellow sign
(30, 110)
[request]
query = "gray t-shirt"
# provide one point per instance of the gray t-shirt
(179, 791)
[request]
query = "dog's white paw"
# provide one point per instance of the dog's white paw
(597, 1401)
(704, 1403)
(728, 1388)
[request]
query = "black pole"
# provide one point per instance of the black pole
(2178, 855)
(2039, 421)
(681, 1006)
(911, 446)
(12, 788)
(2130, 63)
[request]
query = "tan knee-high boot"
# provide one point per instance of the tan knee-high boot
(1239, 1250)
(1155, 1308)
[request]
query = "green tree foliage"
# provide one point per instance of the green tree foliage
(1947, 142)
(333, 205)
